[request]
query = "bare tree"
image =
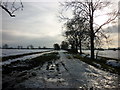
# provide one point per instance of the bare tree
(88, 10)
(76, 32)
(71, 35)
(11, 7)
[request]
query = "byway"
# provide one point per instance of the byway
(69, 73)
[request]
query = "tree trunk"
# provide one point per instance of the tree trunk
(80, 46)
(91, 29)
(76, 43)
(92, 38)
(76, 48)
(92, 46)
(73, 49)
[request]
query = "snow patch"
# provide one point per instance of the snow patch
(88, 56)
(83, 55)
(113, 63)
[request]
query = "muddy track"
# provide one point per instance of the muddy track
(63, 73)
(20, 71)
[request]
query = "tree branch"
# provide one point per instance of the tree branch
(108, 21)
(10, 8)
(4, 8)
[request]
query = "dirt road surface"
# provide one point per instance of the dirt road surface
(68, 73)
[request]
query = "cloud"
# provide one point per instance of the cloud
(37, 24)
(17, 38)
(112, 29)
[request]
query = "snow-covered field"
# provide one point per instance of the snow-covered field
(9, 52)
(106, 53)
(9, 61)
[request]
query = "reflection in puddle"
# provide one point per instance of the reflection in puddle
(51, 65)
(52, 80)
(55, 80)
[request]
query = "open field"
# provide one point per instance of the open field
(12, 52)
(106, 53)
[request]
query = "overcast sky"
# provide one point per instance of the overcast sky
(37, 24)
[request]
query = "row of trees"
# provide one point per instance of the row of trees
(81, 30)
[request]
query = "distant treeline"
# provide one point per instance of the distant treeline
(25, 48)
(6, 46)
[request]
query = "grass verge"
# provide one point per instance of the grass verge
(101, 63)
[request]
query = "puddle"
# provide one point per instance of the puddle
(50, 66)
(53, 66)
(55, 80)
(52, 80)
